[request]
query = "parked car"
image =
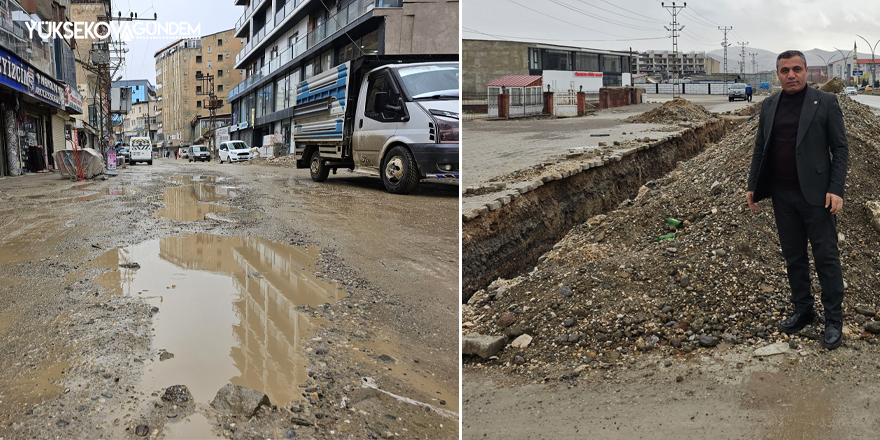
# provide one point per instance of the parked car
(233, 151)
(868, 88)
(198, 152)
(737, 91)
(851, 91)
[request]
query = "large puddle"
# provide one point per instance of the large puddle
(191, 202)
(227, 310)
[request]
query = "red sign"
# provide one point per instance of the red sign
(589, 74)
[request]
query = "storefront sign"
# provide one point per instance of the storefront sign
(20, 76)
(73, 100)
(243, 125)
(589, 74)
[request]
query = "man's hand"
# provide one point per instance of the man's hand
(834, 201)
(752, 205)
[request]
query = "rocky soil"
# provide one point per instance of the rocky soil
(679, 109)
(610, 292)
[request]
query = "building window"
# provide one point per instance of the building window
(534, 58)
(588, 62)
(220, 87)
(220, 73)
(198, 58)
(198, 104)
(209, 49)
(219, 58)
(556, 60)
(198, 90)
(220, 42)
(198, 73)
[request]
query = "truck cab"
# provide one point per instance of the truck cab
(396, 120)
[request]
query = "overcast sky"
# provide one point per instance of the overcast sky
(774, 25)
(214, 16)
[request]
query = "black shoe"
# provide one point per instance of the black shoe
(833, 334)
(797, 322)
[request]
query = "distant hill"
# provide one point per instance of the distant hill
(767, 59)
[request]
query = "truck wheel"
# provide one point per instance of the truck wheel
(150, 162)
(399, 173)
(317, 169)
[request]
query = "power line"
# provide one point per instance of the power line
(466, 29)
(673, 9)
(704, 17)
(559, 19)
(599, 17)
(696, 20)
(633, 13)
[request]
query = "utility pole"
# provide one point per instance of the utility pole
(725, 45)
(675, 30)
(754, 65)
(742, 65)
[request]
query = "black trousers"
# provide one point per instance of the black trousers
(797, 221)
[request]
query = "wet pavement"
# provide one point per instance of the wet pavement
(251, 275)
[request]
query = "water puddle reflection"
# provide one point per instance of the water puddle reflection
(227, 310)
(194, 427)
(187, 203)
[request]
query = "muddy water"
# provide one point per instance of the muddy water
(184, 203)
(227, 310)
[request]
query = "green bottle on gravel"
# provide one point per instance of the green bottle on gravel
(673, 222)
(665, 237)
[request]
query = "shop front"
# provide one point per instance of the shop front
(34, 116)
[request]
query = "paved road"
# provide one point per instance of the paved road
(870, 100)
(493, 148)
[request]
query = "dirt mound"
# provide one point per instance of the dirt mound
(751, 110)
(609, 291)
(834, 85)
(677, 110)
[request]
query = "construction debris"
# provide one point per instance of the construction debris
(834, 85)
(677, 110)
(608, 292)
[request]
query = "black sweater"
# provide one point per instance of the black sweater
(784, 140)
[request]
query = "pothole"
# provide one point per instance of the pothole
(191, 202)
(231, 309)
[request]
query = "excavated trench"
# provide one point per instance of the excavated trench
(507, 242)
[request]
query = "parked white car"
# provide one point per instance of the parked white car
(233, 151)
(851, 91)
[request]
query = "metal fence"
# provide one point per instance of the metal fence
(485, 106)
(476, 106)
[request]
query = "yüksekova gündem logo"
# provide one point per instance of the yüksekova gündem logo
(125, 31)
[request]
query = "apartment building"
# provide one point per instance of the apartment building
(288, 41)
(140, 121)
(181, 88)
(37, 87)
(660, 64)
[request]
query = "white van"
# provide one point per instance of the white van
(141, 150)
(233, 151)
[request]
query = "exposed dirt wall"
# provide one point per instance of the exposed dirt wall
(506, 242)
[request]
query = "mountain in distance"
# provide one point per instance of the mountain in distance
(766, 59)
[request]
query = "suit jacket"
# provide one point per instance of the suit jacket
(821, 152)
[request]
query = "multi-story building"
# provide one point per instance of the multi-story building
(484, 61)
(37, 87)
(660, 64)
(181, 69)
(140, 121)
(288, 41)
(93, 83)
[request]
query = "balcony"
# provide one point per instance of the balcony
(336, 22)
(255, 4)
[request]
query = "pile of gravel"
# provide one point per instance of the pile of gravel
(608, 291)
(677, 110)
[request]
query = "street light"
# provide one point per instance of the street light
(827, 63)
(844, 61)
(873, 69)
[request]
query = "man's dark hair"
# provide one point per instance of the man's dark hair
(790, 54)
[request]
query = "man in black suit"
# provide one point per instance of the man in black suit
(800, 162)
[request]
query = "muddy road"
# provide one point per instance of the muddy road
(338, 300)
